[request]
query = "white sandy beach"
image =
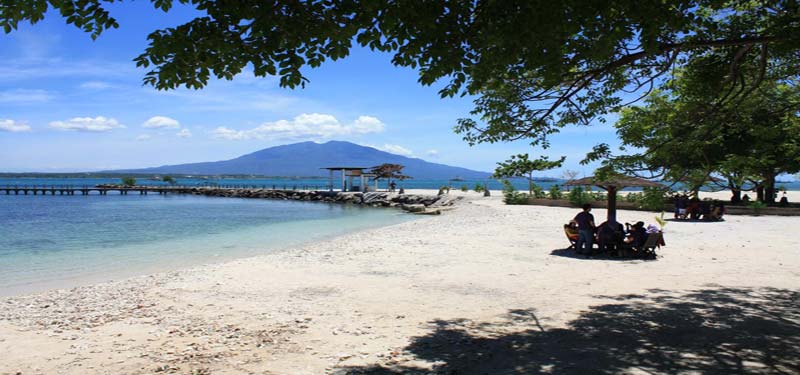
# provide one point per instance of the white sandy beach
(484, 288)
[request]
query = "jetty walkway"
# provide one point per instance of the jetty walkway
(141, 190)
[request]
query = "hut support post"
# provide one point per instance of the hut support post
(612, 204)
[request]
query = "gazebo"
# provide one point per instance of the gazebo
(612, 185)
(348, 174)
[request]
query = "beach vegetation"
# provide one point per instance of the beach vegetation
(555, 192)
(685, 135)
(662, 222)
(521, 166)
(511, 195)
(650, 198)
(464, 188)
(598, 195)
(537, 191)
(128, 181)
(479, 188)
(757, 207)
(170, 180)
(578, 196)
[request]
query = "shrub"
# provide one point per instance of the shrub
(757, 206)
(538, 191)
(555, 192)
(511, 195)
(634, 197)
(169, 180)
(578, 197)
(653, 199)
(128, 181)
(597, 195)
(516, 198)
(479, 188)
(464, 188)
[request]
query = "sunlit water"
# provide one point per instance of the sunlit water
(63, 241)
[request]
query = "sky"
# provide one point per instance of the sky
(71, 104)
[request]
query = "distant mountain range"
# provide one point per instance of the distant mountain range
(306, 158)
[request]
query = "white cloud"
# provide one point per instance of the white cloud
(161, 122)
(22, 96)
(396, 149)
(184, 133)
(143, 137)
(432, 153)
(7, 125)
(96, 85)
(313, 125)
(368, 124)
(87, 124)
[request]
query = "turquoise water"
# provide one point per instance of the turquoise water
(64, 241)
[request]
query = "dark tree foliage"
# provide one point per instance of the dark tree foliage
(534, 65)
(684, 136)
(389, 171)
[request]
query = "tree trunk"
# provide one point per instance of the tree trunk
(769, 188)
(612, 206)
(530, 184)
(737, 195)
(760, 192)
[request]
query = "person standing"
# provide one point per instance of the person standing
(586, 226)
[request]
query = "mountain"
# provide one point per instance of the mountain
(306, 159)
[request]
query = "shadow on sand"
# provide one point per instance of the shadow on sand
(718, 331)
(569, 253)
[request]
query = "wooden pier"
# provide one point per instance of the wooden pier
(125, 190)
(86, 190)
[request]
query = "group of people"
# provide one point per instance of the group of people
(608, 235)
(695, 209)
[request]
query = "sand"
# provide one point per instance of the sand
(484, 288)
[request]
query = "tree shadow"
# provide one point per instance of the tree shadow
(717, 331)
(570, 253)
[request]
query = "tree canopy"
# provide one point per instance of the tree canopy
(389, 171)
(535, 66)
(521, 166)
(683, 135)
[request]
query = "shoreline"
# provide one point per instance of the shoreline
(370, 299)
(195, 251)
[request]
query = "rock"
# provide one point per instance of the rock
(413, 207)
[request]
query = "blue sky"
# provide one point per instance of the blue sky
(68, 103)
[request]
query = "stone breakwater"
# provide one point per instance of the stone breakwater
(422, 204)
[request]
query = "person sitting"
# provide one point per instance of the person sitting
(637, 234)
(784, 201)
(717, 211)
(609, 236)
(680, 207)
(705, 210)
(693, 210)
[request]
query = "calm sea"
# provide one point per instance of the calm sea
(302, 183)
(63, 241)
